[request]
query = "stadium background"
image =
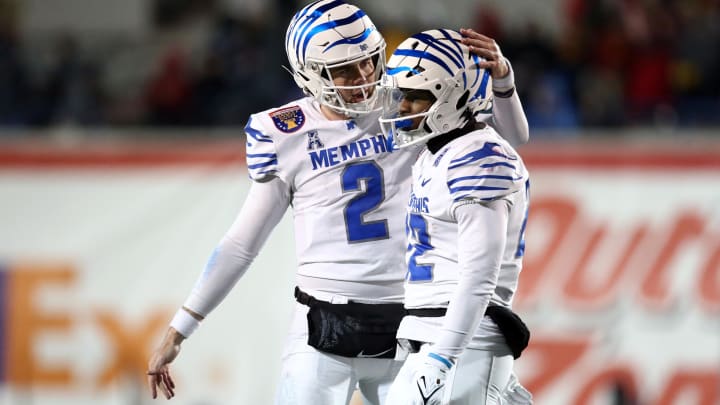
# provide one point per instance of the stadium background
(121, 165)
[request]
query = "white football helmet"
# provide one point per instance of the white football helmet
(435, 63)
(328, 34)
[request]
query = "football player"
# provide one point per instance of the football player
(465, 224)
(326, 156)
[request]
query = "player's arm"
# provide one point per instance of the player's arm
(479, 189)
(263, 209)
(481, 241)
(508, 117)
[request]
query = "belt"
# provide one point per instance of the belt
(427, 312)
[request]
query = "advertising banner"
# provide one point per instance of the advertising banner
(99, 246)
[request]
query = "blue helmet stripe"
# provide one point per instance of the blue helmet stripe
(454, 54)
(299, 18)
(483, 85)
(355, 40)
(400, 69)
(456, 42)
(476, 60)
(291, 33)
(317, 13)
(434, 43)
(424, 55)
(303, 26)
(330, 25)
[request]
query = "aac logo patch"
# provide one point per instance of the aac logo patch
(288, 119)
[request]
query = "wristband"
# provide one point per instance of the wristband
(504, 94)
(442, 360)
(184, 323)
(506, 84)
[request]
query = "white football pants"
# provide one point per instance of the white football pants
(479, 377)
(311, 377)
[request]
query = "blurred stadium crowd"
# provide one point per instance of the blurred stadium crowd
(614, 63)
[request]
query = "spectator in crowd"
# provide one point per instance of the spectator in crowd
(614, 63)
(13, 81)
(169, 91)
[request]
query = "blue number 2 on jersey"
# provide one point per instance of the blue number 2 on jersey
(353, 178)
(421, 244)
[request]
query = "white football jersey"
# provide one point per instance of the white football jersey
(348, 189)
(479, 166)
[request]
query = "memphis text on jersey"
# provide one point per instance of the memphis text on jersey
(418, 204)
(332, 156)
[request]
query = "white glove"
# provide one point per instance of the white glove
(516, 394)
(430, 379)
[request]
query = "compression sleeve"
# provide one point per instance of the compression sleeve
(263, 209)
(481, 238)
(508, 117)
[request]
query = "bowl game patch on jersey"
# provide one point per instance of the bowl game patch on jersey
(288, 119)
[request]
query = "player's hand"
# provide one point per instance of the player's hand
(429, 378)
(516, 394)
(158, 372)
(486, 47)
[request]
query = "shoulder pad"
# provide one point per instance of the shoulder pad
(261, 155)
(489, 172)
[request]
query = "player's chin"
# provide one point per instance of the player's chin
(358, 99)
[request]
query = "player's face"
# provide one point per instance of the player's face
(355, 75)
(415, 102)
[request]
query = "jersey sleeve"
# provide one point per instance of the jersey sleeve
(481, 241)
(261, 154)
(263, 209)
(487, 173)
(506, 115)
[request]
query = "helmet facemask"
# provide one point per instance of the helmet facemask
(347, 98)
(410, 126)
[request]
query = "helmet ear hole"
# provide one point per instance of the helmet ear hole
(462, 100)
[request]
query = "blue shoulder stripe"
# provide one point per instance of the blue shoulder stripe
(263, 164)
(484, 152)
(464, 196)
(488, 165)
(262, 155)
(255, 134)
(487, 176)
(476, 188)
